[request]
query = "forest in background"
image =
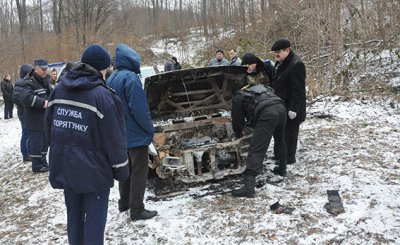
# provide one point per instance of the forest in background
(323, 32)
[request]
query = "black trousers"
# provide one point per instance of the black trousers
(8, 109)
(271, 122)
(132, 190)
(291, 136)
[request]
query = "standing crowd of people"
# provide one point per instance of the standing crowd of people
(98, 130)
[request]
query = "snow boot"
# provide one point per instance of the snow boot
(247, 190)
(280, 171)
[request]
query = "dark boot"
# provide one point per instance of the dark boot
(280, 171)
(142, 214)
(247, 190)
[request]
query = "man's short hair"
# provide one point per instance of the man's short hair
(219, 51)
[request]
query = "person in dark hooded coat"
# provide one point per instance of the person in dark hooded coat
(84, 124)
(139, 130)
(24, 70)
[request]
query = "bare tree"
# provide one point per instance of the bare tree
(204, 16)
(57, 13)
(22, 17)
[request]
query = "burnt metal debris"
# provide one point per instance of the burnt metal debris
(193, 129)
(335, 205)
(278, 208)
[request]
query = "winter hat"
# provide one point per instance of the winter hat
(280, 44)
(96, 56)
(249, 58)
(174, 59)
(24, 70)
(41, 62)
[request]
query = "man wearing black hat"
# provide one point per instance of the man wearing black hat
(257, 106)
(85, 127)
(34, 95)
(172, 64)
(288, 81)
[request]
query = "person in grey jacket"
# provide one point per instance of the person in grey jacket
(235, 60)
(219, 59)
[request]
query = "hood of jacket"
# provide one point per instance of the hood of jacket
(127, 58)
(82, 76)
(24, 70)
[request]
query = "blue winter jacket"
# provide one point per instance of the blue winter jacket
(127, 85)
(85, 128)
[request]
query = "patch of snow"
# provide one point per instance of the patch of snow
(355, 151)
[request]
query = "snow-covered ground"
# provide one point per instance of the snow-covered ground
(347, 145)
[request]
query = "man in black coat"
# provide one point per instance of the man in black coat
(288, 81)
(34, 97)
(7, 90)
(24, 70)
(257, 106)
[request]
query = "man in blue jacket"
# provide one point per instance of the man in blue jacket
(85, 127)
(34, 96)
(139, 130)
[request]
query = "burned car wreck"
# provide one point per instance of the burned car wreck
(193, 137)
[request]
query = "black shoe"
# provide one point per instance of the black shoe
(247, 190)
(291, 161)
(279, 171)
(142, 215)
(42, 170)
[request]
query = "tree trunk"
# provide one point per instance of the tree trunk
(204, 15)
(21, 7)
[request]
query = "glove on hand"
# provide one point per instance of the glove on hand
(292, 115)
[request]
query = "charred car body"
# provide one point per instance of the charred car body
(193, 129)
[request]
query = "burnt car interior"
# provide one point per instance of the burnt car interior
(193, 130)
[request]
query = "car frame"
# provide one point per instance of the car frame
(193, 138)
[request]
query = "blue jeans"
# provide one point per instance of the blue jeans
(24, 134)
(86, 217)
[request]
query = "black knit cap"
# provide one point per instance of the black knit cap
(280, 44)
(97, 57)
(249, 58)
